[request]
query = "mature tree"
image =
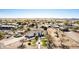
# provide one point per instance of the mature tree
(66, 22)
(45, 28)
(28, 29)
(19, 23)
(36, 38)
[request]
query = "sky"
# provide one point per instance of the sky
(39, 13)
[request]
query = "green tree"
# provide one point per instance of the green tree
(66, 22)
(36, 38)
(28, 29)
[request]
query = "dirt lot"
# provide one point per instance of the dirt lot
(63, 41)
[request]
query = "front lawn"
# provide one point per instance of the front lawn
(33, 42)
(44, 42)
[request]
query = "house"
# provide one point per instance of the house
(7, 27)
(55, 26)
(30, 35)
(64, 28)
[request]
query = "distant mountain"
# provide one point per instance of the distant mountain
(41, 18)
(72, 18)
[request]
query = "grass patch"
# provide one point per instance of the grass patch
(33, 42)
(44, 42)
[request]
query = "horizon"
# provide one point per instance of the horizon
(39, 13)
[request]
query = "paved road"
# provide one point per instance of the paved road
(38, 43)
(73, 35)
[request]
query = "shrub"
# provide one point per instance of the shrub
(1, 35)
(28, 29)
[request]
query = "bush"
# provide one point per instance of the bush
(28, 29)
(66, 22)
(45, 28)
(17, 35)
(29, 43)
(36, 38)
(32, 25)
(1, 35)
